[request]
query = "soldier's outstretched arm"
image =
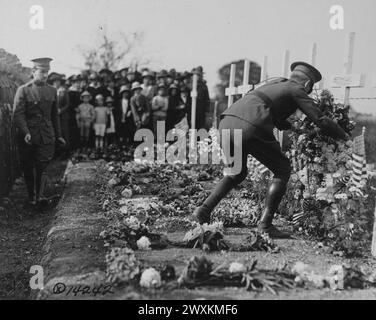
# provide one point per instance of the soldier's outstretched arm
(309, 108)
(19, 109)
(55, 118)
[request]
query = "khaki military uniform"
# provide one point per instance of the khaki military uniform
(36, 113)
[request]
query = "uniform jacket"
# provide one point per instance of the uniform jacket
(36, 112)
(284, 97)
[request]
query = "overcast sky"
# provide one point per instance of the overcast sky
(182, 34)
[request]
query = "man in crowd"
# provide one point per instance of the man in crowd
(36, 116)
(63, 106)
(203, 99)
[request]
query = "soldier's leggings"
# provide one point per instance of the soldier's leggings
(34, 161)
(261, 145)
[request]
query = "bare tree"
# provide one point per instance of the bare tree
(114, 52)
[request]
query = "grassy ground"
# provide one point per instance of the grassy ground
(22, 235)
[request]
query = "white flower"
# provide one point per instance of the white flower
(132, 222)
(126, 193)
(341, 196)
(150, 278)
(112, 182)
(237, 267)
(105, 204)
(336, 174)
(143, 243)
(111, 168)
(124, 209)
(300, 268)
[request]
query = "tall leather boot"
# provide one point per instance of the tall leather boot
(275, 193)
(202, 213)
(30, 184)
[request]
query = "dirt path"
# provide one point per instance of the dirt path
(22, 235)
(74, 254)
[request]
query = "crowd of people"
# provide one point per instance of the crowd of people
(100, 108)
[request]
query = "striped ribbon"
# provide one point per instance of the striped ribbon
(359, 171)
(298, 162)
(297, 218)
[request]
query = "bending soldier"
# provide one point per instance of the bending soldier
(256, 114)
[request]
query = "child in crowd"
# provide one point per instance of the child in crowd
(110, 129)
(85, 116)
(100, 122)
(159, 106)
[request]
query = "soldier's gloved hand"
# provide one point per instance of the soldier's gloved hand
(62, 141)
(28, 138)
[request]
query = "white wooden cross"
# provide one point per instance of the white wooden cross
(348, 80)
(231, 91)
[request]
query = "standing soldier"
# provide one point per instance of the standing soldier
(37, 118)
(256, 114)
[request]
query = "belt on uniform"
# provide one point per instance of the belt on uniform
(263, 97)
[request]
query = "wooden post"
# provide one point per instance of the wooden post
(348, 80)
(231, 90)
(313, 61)
(245, 76)
(194, 106)
(243, 89)
(264, 70)
(313, 54)
(215, 124)
(347, 67)
(285, 63)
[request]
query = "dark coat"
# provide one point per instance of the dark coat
(63, 104)
(141, 110)
(284, 97)
(36, 113)
(202, 105)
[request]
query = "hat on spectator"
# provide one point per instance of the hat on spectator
(98, 96)
(161, 86)
(109, 99)
(162, 74)
(54, 77)
(93, 76)
(124, 88)
(197, 71)
(85, 93)
(136, 85)
(75, 78)
(105, 71)
(173, 86)
(172, 73)
(186, 75)
(147, 73)
(42, 63)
